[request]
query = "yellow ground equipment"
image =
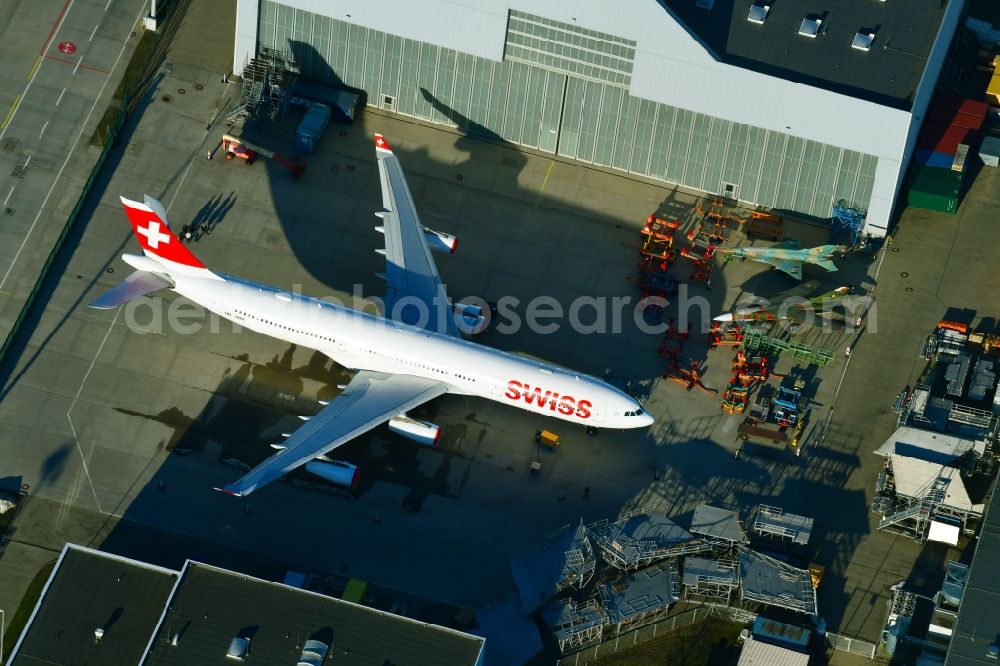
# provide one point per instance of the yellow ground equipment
(548, 439)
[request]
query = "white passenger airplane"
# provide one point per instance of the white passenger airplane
(402, 363)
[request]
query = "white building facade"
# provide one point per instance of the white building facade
(737, 108)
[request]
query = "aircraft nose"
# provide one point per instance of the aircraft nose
(647, 420)
(728, 316)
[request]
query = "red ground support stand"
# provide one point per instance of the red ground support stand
(725, 337)
(690, 377)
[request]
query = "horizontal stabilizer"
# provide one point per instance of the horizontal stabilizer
(827, 264)
(138, 284)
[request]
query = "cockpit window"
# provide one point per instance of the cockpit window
(638, 412)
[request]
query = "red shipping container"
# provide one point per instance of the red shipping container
(930, 135)
(968, 121)
(944, 109)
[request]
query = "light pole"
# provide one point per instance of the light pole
(3, 620)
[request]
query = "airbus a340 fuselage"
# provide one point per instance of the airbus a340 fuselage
(357, 339)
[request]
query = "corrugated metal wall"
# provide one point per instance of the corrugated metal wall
(586, 120)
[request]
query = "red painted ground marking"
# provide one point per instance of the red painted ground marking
(67, 47)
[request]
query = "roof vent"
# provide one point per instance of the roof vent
(863, 40)
(758, 12)
(313, 653)
(238, 648)
(810, 27)
(705, 4)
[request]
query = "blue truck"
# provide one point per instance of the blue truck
(344, 103)
(312, 127)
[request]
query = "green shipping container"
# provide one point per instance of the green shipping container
(937, 189)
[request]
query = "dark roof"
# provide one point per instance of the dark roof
(887, 74)
(212, 606)
(89, 590)
(978, 623)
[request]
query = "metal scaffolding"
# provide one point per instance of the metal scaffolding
(565, 559)
(720, 527)
(769, 581)
(642, 597)
(915, 496)
(574, 626)
(756, 341)
(773, 521)
(640, 538)
(267, 81)
(847, 218)
(710, 579)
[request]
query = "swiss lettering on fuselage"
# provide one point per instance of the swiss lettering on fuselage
(536, 396)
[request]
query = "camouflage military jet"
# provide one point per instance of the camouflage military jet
(836, 308)
(788, 257)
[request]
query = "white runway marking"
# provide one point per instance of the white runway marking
(69, 154)
(79, 448)
(8, 194)
(60, 96)
(43, 129)
(93, 32)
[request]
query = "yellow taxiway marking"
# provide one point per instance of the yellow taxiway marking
(548, 172)
(10, 112)
(38, 61)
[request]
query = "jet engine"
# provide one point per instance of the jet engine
(441, 242)
(420, 432)
(334, 471)
(469, 319)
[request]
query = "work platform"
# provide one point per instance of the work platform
(721, 527)
(574, 626)
(923, 500)
(642, 597)
(640, 538)
(772, 582)
(565, 559)
(774, 522)
(930, 446)
(709, 579)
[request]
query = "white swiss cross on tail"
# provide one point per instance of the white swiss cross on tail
(381, 145)
(151, 230)
(153, 235)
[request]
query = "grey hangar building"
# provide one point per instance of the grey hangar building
(792, 107)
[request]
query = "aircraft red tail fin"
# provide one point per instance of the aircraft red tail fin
(149, 222)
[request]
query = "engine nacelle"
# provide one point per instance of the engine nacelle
(469, 319)
(440, 242)
(334, 471)
(420, 432)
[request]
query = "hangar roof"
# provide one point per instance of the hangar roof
(978, 623)
(887, 73)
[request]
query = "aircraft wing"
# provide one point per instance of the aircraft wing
(791, 266)
(370, 399)
(410, 271)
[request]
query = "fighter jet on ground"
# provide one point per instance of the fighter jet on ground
(411, 355)
(788, 257)
(836, 308)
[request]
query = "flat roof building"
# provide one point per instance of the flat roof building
(103, 609)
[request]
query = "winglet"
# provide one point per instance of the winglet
(381, 145)
(229, 491)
